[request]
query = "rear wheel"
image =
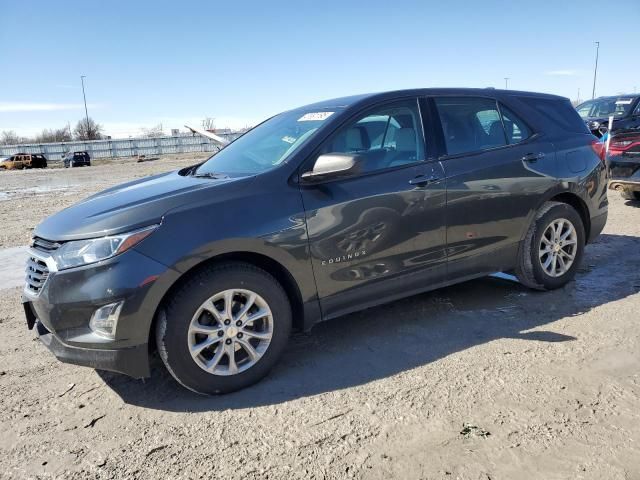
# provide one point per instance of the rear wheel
(224, 329)
(552, 250)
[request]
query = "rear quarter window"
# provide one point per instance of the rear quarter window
(557, 112)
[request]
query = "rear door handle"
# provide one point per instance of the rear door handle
(533, 157)
(423, 180)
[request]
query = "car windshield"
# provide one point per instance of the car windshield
(268, 145)
(605, 107)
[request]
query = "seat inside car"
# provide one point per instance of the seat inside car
(406, 151)
(496, 135)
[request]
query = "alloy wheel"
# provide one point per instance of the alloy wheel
(230, 332)
(558, 247)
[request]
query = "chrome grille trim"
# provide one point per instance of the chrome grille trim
(37, 272)
(44, 245)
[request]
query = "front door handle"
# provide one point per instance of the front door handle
(533, 157)
(424, 180)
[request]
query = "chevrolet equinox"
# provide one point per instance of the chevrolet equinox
(316, 212)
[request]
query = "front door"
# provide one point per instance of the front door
(380, 234)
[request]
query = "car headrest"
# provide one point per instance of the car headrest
(357, 139)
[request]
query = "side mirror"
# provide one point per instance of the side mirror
(333, 165)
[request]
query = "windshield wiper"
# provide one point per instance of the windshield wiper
(213, 175)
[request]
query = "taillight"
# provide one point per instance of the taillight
(599, 149)
(623, 144)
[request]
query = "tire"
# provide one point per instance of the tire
(630, 195)
(530, 269)
(174, 339)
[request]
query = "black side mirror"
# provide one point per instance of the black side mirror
(333, 165)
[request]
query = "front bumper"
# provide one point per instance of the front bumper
(625, 184)
(132, 361)
(624, 172)
(62, 309)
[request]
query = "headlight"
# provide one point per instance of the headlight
(83, 252)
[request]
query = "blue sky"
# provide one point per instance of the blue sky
(239, 62)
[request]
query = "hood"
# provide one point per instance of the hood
(600, 120)
(130, 206)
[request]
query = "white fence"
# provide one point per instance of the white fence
(119, 148)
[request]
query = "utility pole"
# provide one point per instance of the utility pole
(506, 83)
(578, 99)
(86, 113)
(595, 71)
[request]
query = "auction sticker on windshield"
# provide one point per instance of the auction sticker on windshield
(624, 102)
(315, 116)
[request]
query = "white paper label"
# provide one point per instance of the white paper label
(623, 102)
(315, 116)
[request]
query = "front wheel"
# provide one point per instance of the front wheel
(551, 252)
(224, 329)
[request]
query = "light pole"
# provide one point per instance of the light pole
(506, 83)
(86, 113)
(595, 71)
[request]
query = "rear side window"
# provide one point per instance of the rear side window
(470, 124)
(516, 129)
(558, 113)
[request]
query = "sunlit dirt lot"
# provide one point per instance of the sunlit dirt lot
(484, 380)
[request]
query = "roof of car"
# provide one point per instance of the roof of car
(344, 102)
(627, 95)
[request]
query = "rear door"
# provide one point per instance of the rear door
(496, 170)
(380, 234)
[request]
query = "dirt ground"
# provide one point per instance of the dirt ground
(484, 380)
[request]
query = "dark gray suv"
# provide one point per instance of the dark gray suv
(315, 213)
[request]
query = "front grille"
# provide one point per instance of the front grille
(44, 245)
(37, 273)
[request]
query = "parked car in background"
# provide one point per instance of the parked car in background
(76, 159)
(35, 161)
(317, 212)
(625, 110)
(623, 163)
(10, 163)
(24, 160)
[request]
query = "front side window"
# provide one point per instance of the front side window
(386, 137)
(470, 124)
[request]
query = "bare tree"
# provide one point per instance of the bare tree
(9, 137)
(54, 135)
(87, 130)
(209, 123)
(153, 132)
